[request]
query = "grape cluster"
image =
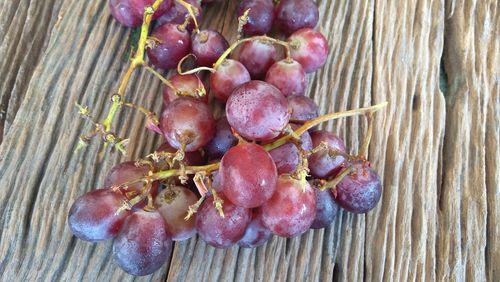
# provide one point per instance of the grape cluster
(261, 169)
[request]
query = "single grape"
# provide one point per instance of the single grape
(187, 121)
(98, 215)
(303, 108)
(185, 85)
(248, 175)
(124, 12)
(140, 6)
(177, 14)
(257, 111)
(143, 244)
(326, 209)
(174, 43)
(260, 18)
(222, 141)
(288, 76)
(292, 209)
(221, 232)
(360, 190)
(287, 156)
(173, 203)
(256, 234)
(309, 48)
(327, 163)
(257, 56)
(194, 158)
(126, 172)
(228, 76)
(292, 15)
(208, 46)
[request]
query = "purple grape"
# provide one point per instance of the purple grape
(303, 108)
(287, 156)
(257, 56)
(325, 164)
(130, 13)
(208, 46)
(256, 234)
(257, 111)
(292, 15)
(177, 14)
(260, 18)
(126, 172)
(174, 44)
(326, 209)
(228, 76)
(222, 141)
(309, 48)
(288, 76)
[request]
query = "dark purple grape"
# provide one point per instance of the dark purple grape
(303, 108)
(143, 245)
(173, 204)
(260, 18)
(186, 85)
(326, 209)
(208, 46)
(222, 232)
(124, 13)
(292, 15)
(257, 56)
(309, 48)
(248, 175)
(256, 234)
(187, 121)
(360, 190)
(177, 14)
(257, 111)
(98, 215)
(287, 156)
(222, 141)
(228, 76)
(325, 164)
(174, 44)
(140, 5)
(288, 76)
(292, 209)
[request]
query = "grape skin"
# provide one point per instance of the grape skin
(222, 141)
(228, 76)
(326, 209)
(208, 46)
(174, 43)
(292, 15)
(288, 76)
(302, 108)
(257, 56)
(130, 13)
(256, 233)
(177, 14)
(309, 48)
(143, 244)
(287, 156)
(323, 164)
(185, 85)
(260, 18)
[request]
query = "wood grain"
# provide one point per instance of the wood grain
(437, 151)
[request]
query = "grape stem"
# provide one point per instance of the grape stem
(192, 14)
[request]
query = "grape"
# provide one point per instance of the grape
(288, 76)
(177, 14)
(309, 48)
(303, 108)
(140, 5)
(257, 111)
(173, 203)
(97, 215)
(143, 244)
(360, 190)
(325, 164)
(248, 175)
(222, 141)
(292, 209)
(257, 56)
(260, 18)
(208, 46)
(326, 209)
(190, 158)
(292, 15)
(256, 234)
(187, 121)
(221, 232)
(228, 76)
(186, 85)
(124, 13)
(126, 172)
(174, 43)
(287, 156)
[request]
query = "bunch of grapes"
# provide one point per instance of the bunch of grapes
(260, 169)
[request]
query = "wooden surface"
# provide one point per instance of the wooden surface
(437, 147)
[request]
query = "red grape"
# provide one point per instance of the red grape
(288, 76)
(126, 172)
(248, 175)
(260, 18)
(257, 111)
(186, 85)
(140, 5)
(222, 141)
(124, 13)
(292, 209)
(173, 203)
(228, 76)
(325, 164)
(257, 56)
(143, 244)
(256, 234)
(360, 190)
(303, 108)
(177, 14)
(97, 215)
(221, 232)
(187, 121)
(208, 46)
(287, 156)
(292, 15)
(174, 43)
(326, 209)
(309, 48)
